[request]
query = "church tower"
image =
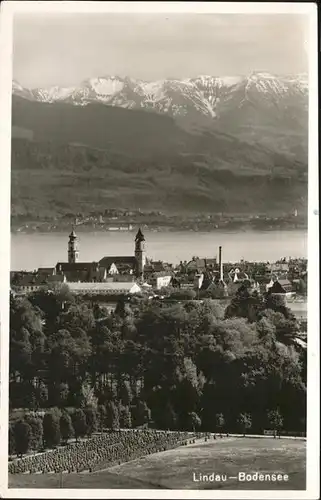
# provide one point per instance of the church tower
(140, 253)
(73, 252)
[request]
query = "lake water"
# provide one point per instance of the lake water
(30, 251)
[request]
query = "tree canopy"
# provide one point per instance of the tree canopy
(173, 365)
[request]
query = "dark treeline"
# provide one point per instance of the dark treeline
(188, 365)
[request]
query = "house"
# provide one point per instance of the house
(46, 271)
(197, 265)
(187, 282)
(26, 283)
(160, 279)
(81, 271)
(237, 276)
(106, 288)
(263, 282)
(55, 279)
(33, 282)
(277, 267)
(111, 269)
(157, 266)
(282, 287)
(119, 265)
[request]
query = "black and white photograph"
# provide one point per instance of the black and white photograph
(163, 181)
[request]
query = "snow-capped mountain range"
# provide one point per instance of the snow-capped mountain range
(236, 144)
(206, 95)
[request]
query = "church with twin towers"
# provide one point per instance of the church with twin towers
(131, 265)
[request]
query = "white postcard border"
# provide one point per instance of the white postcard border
(8, 9)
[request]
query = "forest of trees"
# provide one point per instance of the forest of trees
(75, 368)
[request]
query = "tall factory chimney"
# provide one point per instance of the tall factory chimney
(220, 263)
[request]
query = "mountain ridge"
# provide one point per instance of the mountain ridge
(205, 92)
(68, 159)
(61, 122)
(54, 179)
(203, 144)
(259, 108)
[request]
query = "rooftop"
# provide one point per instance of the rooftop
(116, 285)
(108, 261)
(201, 263)
(76, 266)
(284, 282)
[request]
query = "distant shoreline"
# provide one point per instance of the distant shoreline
(81, 229)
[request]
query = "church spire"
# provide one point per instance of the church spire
(140, 254)
(139, 235)
(73, 252)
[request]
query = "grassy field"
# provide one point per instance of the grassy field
(174, 469)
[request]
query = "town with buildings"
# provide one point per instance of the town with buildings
(137, 316)
(201, 277)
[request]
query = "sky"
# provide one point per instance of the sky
(65, 49)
